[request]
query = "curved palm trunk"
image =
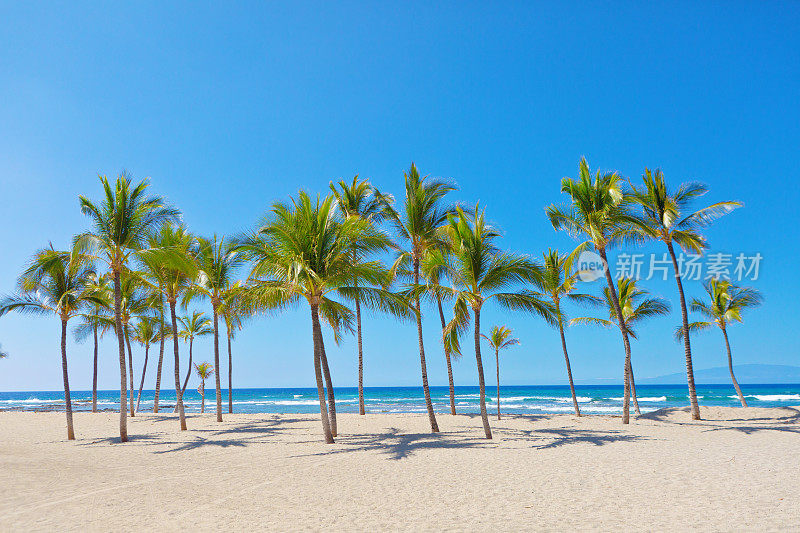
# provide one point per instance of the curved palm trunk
(189, 371)
(230, 373)
(361, 410)
(426, 391)
(144, 371)
(687, 347)
(447, 358)
(216, 365)
(566, 359)
(130, 367)
(633, 390)
(178, 391)
(323, 410)
(123, 421)
(484, 417)
(329, 386)
(626, 402)
(94, 373)
(160, 354)
(730, 367)
(497, 360)
(67, 399)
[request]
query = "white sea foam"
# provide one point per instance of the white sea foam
(653, 399)
(772, 397)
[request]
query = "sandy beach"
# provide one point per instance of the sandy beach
(735, 470)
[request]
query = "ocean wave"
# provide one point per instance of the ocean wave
(771, 397)
(653, 399)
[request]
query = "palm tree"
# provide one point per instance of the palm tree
(204, 371)
(217, 261)
(233, 314)
(358, 199)
(480, 271)
(55, 283)
(420, 223)
(724, 306)
(121, 223)
(154, 273)
(145, 332)
(666, 220)
(193, 326)
(557, 283)
(499, 338)
(600, 211)
(433, 273)
(91, 322)
(636, 307)
(303, 250)
(171, 262)
(134, 301)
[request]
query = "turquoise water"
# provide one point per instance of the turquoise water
(598, 399)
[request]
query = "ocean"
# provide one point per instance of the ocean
(593, 399)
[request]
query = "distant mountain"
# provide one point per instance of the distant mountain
(754, 373)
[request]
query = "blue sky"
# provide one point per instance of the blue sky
(229, 108)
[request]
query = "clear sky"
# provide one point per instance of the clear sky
(230, 107)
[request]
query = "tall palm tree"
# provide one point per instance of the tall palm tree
(557, 283)
(233, 314)
(134, 301)
(432, 272)
(55, 283)
(92, 322)
(204, 371)
(197, 325)
(666, 220)
(303, 250)
(173, 258)
(154, 273)
(420, 223)
(724, 306)
(481, 272)
(358, 199)
(145, 332)
(499, 338)
(599, 211)
(636, 307)
(121, 222)
(217, 261)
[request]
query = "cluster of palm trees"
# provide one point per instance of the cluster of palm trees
(327, 252)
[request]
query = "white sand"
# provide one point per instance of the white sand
(737, 470)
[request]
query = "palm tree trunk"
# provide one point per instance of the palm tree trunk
(67, 399)
(329, 386)
(123, 421)
(566, 359)
(323, 410)
(144, 371)
(94, 373)
(687, 347)
(497, 360)
(447, 358)
(361, 410)
(178, 391)
(216, 364)
(626, 405)
(203, 397)
(160, 351)
(230, 373)
(730, 367)
(189, 370)
(130, 367)
(633, 390)
(425, 390)
(484, 417)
